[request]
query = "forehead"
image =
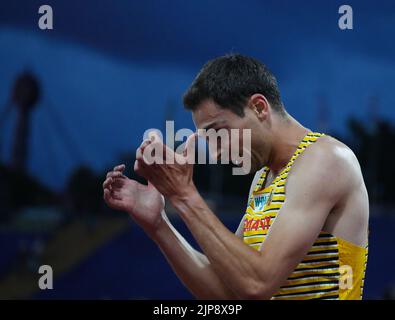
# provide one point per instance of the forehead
(208, 113)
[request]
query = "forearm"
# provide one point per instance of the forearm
(191, 266)
(239, 265)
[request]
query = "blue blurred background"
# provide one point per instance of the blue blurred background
(110, 70)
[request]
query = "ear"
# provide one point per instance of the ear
(259, 105)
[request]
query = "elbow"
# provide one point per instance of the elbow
(256, 290)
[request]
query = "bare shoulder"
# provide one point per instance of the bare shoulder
(338, 154)
(328, 176)
(329, 161)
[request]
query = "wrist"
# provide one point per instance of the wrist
(160, 228)
(186, 195)
(188, 204)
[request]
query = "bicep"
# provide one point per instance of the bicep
(290, 237)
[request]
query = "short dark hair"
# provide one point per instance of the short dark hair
(229, 80)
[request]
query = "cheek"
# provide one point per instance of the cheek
(235, 144)
(216, 147)
(242, 141)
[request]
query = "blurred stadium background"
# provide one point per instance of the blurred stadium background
(76, 100)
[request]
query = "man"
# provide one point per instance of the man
(305, 231)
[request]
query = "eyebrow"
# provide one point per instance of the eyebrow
(213, 124)
(210, 125)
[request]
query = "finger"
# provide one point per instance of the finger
(140, 150)
(115, 174)
(190, 144)
(107, 195)
(153, 152)
(120, 167)
(139, 154)
(157, 144)
(112, 201)
(110, 174)
(117, 183)
(154, 136)
(136, 166)
(145, 143)
(107, 183)
(139, 168)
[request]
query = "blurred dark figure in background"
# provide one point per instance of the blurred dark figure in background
(17, 189)
(25, 96)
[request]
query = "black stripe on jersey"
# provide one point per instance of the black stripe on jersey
(252, 243)
(325, 235)
(333, 266)
(303, 147)
(270, 210)
(324, 251)
(336, 296)
(335, 288)
(261, 214)
(277, 201)
(320, 244)
(336, 282)
(286, 170)
(254, 236)
(334, 259)
(317, 275)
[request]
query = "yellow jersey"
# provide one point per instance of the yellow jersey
(324, 273)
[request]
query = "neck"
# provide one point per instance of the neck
(287, 134)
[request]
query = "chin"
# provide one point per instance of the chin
(255, 167)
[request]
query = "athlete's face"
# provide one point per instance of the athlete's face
(249, 144)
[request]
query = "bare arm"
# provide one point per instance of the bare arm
(146, 206)
(259, 274)
(191, 266)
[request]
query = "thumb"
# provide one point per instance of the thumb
(154, 136)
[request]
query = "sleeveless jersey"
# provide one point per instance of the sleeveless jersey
(324, 273)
